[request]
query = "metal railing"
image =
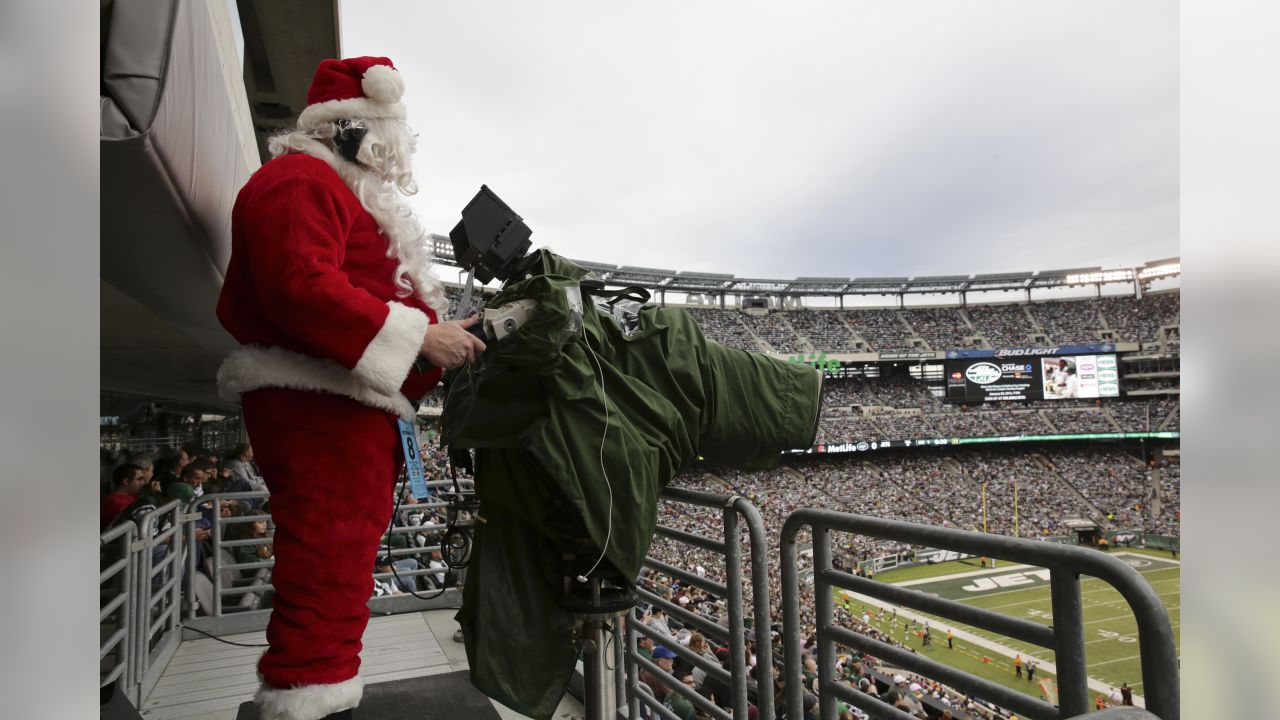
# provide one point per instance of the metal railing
(140, 592)
(236, 601)
(218, 570)
(737, 513)
(161, 551)
(1066, 637)
(117, 613)
(152, 578)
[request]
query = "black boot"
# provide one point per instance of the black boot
(340, 715)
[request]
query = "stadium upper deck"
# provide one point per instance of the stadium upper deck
(1150, 320)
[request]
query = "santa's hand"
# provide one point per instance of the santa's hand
(449, 345)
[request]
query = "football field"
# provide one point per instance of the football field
(1111, 642)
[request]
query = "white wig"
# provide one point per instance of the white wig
(380, 176)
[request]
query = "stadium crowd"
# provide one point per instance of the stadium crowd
(825, 330)
(1119, 486)
(1006, 325)
(1069, 321)
(1058, 322)
(942, 328)
(726, 328)
(1153, 318)
(851, 413)
(776, 330)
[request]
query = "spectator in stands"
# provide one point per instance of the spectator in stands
(436, 562)
(195, 474)
(664, 658)
(242, 474)
(678, 703)
(143, 461)
(127, 481)
(256, 530)
(151, 498)
(169, 463)
(237, 475)
(181, 458)
(658, 621)
(387, 585)
(698, 645)
(644, 646)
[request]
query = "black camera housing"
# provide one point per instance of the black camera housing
(491, 240)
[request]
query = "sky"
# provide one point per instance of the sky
(771, 139)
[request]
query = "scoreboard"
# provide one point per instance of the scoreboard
(1031, 374)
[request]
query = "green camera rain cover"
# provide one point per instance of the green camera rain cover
(575, 405)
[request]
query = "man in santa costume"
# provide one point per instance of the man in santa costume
(330, 294)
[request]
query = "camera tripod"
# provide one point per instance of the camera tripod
(596, 601)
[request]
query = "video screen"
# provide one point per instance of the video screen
(1057, 377)
(1080, 376)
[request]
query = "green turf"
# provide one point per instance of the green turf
(917, 572)
(963, 656)
(1111, 647)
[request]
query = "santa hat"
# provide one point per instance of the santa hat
(363, 87)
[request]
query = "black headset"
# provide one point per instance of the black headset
(348, 138)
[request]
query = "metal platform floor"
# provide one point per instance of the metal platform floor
(208, 680)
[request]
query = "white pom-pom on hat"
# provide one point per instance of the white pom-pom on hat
(383, 84)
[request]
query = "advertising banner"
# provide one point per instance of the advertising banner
(860, 446)
(1033, 352)
(1050, 377)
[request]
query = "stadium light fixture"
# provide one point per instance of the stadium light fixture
(1159, 271)
(1107, 276)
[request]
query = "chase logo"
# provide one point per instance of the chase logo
(983, 373)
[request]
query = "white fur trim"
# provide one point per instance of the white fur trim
(308, 702)
(383, 83)
(315, 115)
(387, 358)
(255, 367)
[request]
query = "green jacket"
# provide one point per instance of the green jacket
(535, 411)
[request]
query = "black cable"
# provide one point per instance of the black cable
(390, 557)
(609, 643)
(215, 637)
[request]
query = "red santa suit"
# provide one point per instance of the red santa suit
(324, 371)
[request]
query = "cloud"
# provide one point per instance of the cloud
(801, 139)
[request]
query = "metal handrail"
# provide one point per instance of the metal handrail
(736, 512)
(158, 619)
(1065, 563)
(122, 606)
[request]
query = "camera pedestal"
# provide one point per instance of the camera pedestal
(596, 605)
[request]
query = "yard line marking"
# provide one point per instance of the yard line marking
(1125, 635)
(1166, 593)
(1108, 662)
(1122, 617)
